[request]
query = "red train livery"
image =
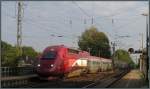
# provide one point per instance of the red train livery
(62, 61)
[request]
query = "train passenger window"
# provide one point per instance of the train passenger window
(49, 55)
(73, 51)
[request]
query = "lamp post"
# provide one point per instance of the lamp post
(147, 35)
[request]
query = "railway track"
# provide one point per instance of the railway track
(103, 79)
(107, 82)
(15, 81)
(77, 82)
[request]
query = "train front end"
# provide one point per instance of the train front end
(47, 62)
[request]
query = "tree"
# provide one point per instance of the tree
(28, 56)
(9, 55)
(96, 42)
(123, 56)
(29, 51)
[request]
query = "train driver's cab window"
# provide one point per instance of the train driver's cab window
(49, 55)
(72, 51)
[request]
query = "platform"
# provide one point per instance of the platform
(134, 79)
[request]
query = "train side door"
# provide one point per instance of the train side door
(65, 60)
(62, 59)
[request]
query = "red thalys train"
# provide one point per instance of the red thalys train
(62, 61)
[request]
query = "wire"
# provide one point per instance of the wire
(30, 23)
(125, 25)
(86, 13)
(66, 37)
(59, 22)
(15, 9)
(49, 29)
(46, 21)
(28, 19)
(80, 8)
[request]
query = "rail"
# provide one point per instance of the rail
(16, 76)
(107, 82)
(16, 71)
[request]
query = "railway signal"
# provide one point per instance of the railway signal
(131, 50)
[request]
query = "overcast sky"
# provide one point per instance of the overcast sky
(43, 21)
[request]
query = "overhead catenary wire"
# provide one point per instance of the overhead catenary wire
(122, 27)
(85, 21)
(116, 13)
(62, 23)
(129, 23)
(15, 15)
(82, 10)
(47, 27)
(54, 24)
(70, 22)
(42, 27)
(66, 37)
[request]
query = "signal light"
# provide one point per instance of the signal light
(138, 51)
(131, 50)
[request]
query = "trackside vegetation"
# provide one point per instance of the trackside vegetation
(9, 56)
(123, 56)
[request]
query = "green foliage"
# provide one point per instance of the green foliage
(29, 51)
(123, 56)
(97, 41)
(9, 54)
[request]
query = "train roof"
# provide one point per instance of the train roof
(94, 58)
(86, 53)
(59, 46)
(53, 47)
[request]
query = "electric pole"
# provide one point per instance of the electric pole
(141, 59)
(113, 53)
(147, 45)
(19, 28)
(92, 21)
(113, 47)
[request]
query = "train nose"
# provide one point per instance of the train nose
(46, 70)
(48, 67)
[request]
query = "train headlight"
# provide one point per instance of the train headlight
(52, 65)
(38, 65)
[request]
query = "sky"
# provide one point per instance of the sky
(44, 21)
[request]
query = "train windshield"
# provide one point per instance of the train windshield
(49, 55)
